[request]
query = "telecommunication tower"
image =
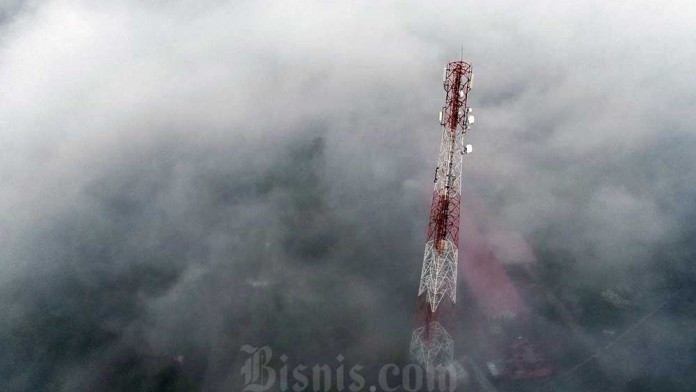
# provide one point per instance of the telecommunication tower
(431, 342)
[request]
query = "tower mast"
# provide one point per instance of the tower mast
(431, 342)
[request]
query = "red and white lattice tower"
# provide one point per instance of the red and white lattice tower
(431, 342)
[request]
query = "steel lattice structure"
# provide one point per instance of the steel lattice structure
(431, 343)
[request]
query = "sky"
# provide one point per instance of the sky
(186, 177)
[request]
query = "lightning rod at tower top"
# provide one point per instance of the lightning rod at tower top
(432, 344)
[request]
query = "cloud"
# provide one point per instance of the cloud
(157, 157)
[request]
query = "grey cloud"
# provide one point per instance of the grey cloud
(182, 178)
